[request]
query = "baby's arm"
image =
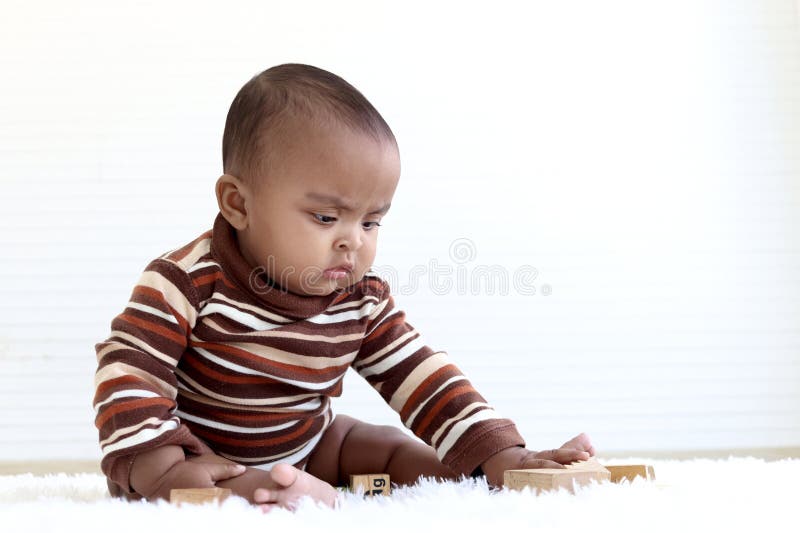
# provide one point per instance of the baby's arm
(437, 402)
(431, 395)
(136, 386)
(156, 472)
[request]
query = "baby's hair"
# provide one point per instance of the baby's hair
(274, 101)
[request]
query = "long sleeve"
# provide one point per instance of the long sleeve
(433, 398)
(135, 384)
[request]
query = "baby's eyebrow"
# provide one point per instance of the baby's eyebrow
(341, 204)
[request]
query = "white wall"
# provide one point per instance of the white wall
(642, 156)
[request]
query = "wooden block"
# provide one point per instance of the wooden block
(541, 479)
(198, 496)
(551, 478)
(621, 473)
(371, 484)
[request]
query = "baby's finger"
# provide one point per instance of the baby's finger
(221, 471)
(581, 442)
(532, 463)
(563, 456)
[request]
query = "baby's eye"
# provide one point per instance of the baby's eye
(370, 225)
(324, 219)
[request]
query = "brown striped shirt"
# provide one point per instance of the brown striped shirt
(208, 349)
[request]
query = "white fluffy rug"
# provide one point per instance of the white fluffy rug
(702, 495)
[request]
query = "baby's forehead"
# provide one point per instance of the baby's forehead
(345, 203)
(312, 160)
(359, 179)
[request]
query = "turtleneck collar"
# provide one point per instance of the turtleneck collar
(225, 249)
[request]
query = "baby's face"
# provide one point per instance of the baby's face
(313, 223)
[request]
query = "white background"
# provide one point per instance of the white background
(642, 156)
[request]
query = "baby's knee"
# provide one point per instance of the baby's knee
(395, 434)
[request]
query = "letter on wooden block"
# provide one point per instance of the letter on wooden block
(371, 484)
(198, 496)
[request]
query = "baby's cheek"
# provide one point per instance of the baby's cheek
(365, 261)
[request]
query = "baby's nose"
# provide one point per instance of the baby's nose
(349, 241)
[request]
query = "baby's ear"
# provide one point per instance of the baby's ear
(231, 200)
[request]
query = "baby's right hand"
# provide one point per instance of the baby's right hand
(201, 471)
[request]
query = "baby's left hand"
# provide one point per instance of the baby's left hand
(576, 449)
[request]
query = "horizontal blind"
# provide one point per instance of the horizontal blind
(629, 169)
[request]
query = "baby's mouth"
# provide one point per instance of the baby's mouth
(339, 271)
(335, 273)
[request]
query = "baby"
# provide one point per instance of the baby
(220, 370)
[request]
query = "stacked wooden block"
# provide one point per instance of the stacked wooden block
(621, 473)
(574, 475)
(541, 479)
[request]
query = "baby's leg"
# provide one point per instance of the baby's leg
(351, 447)
(289, 485)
